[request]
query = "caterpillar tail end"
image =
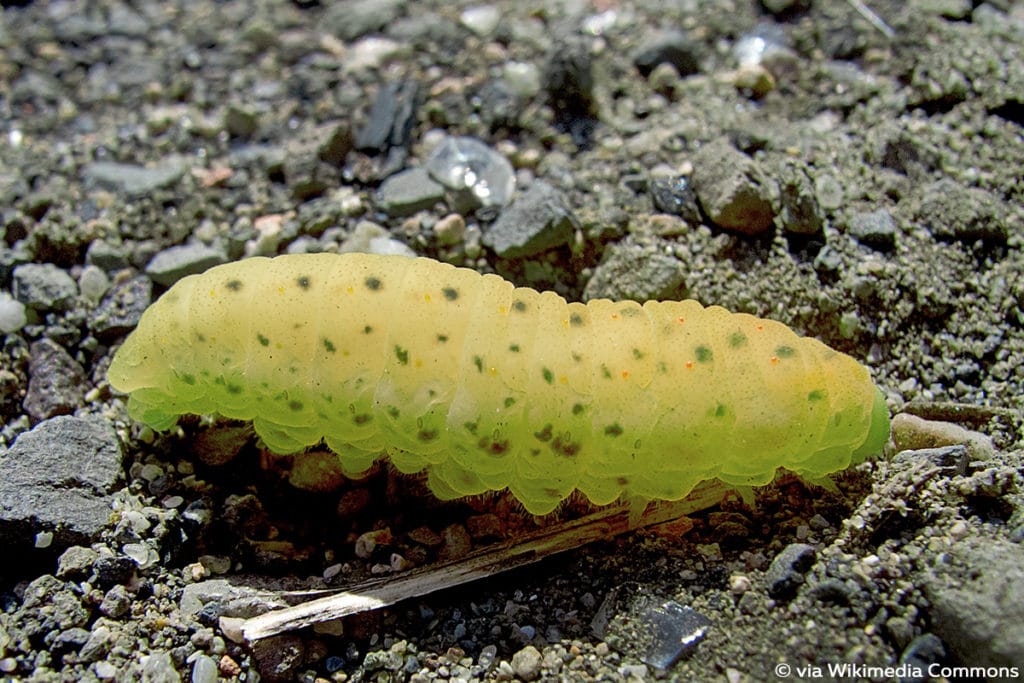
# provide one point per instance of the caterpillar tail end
(878, 431)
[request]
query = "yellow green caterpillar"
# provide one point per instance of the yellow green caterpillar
(489, 386)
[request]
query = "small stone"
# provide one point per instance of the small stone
(921, 653)
(116, 603)
(965, 214)
(44, 287)
(538, 220)
(450, 230)
(105, 671)
(732, 189)
(875, 229)
(171, 265)
(76, 563)
(481, 19)
(12, 314)
(457, 542)
(527, 663)
(204, 670)
(405, 193)
(786, 572)
(241, 121)
(158, 667)
(637, 272)
(467, 164)
(910, 432)
(56, 384)
(667, 47)
(133, 180)
(122, 308)
(93, 283)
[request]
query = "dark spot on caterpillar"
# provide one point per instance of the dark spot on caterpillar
(367, 330)
(514, 348)
(816, 395)
(662, 367)
(621, 481)
(704, 354)
(234, 285)
(394, 413)
(553, 493)
(188, 378)
(576, 320)
(720, 410)
(374, 284)
(471, 427)
(303, 281)
(519, 306)
(837, 419)
(442, 338)
(613, 430)
(578, 408)
(493, 447)
(402, 355)
(629, 311)
(329, 345)
(362, 418)
(201, 338)
(234, 389)
(427, 435)
(431, 393)
(450, 293)
(509, 401)
(737, 339)
(295, 405)
(605, 372)
(293, 370)
(576, 357)
(544, 434)
(479, 363)
(785, 351)
(563, 446)
(638, 354)
(262, 340)
(549, 376)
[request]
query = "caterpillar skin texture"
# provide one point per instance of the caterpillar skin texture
(486, 385)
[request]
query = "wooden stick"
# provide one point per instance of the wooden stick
(601, 525)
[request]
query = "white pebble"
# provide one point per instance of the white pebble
(12, 314)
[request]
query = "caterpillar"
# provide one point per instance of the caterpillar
(488, 386)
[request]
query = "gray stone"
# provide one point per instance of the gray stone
(668, 47)
(57, 478)
(134, 180)
(732, 189)
(121, 309)
(235, 601)
(875, 229)
(786, 572)
(405, 193)
(391, 118)
(976, 592)
(953, 212)
(158, 667)
(538, 220)
(637, 272)
(76, 562)
(799, 213)
(171, 265)
(353, 19)
(526, 663)
(56, 384)
(44, 287)
(115, 603)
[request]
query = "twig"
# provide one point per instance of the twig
(873, 18)
(601, 525)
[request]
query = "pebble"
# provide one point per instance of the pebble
(481, 19)
(965, 214)
(450, 230)
(204, 670)
(667, 47)
(637, 272)
(875, 229)
(121, 309)
(174, 263)
(44, 287)
(467, 164)
(786, 572)
(526, 663)
(158, 667)
(405, 193)
(93, 283)
(133, 180)
(116, 603)
(910, 432)
(538, 220)
(731, 188)
(12, 314)
(57, 382)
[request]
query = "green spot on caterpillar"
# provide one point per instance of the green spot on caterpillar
(402, 355)
(703, 354)
(508, 424)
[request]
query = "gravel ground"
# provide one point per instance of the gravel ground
(859, 181)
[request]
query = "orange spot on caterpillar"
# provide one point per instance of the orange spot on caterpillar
(426, 298)
(681, 321)
(615, 316)
(625, 374)
(774, 360)
(689, 365)
(759, 327)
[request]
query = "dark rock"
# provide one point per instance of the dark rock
(568, 80)
(106, 256)
(832, 591)
(70, 640)
(875, 229)
(171, 265)
(280, 658)
(391, 118)
(76, 563)
(676, 196)
(111, 570)
(44, 287)
(667, 47)
(56, 383)
(539, 219)
(731, 188)
(952, 458)
(922, 652)
(57, 478)
(122, 307)
(799, 213)
(115, 603)
(352, 19)
(786, 572)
